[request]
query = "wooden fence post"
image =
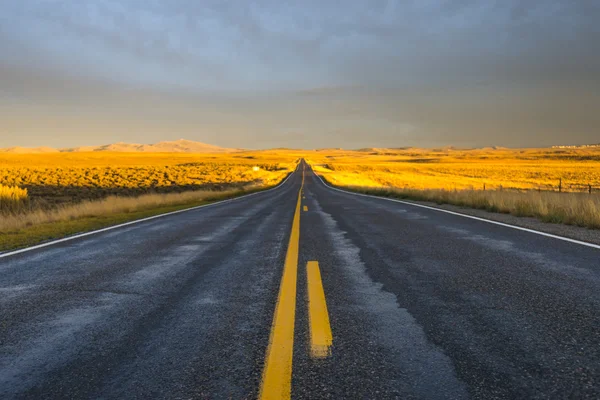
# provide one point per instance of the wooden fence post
(559, 185)
(484, 187)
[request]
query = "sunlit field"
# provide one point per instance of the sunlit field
(44, 196)
(64, 178)
(553, 185)
(538, 169)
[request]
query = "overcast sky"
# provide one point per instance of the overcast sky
(308, 73)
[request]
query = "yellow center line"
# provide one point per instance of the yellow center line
(276, 380)
(305, 208)
(320, 329)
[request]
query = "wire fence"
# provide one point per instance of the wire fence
(560, 186)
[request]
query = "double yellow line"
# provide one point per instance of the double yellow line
(277, 374)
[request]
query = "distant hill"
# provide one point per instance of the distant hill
(177, 146)
(28, 150)
(576, 146)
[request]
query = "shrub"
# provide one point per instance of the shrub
(13, 199)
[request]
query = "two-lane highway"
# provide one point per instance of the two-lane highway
(302, 291)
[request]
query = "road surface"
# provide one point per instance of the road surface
(309, 292)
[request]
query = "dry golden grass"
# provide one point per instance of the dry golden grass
(541, 169)
(519, 182)
(107, 206)
(578, 209)
(13, 199)
(65, 178)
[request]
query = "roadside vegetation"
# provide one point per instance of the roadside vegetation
(25, 229)
(571, 170)
(13, 199)
(46, 197)
(108, 206)
(67, 178)
(553, 185)
(578, 209)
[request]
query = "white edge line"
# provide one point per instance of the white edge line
(566, 239)
(137, 221)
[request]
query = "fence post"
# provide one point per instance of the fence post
(590, 188)
(484, 187)
(559, 185)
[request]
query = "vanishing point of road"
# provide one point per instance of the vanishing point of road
(302, 291)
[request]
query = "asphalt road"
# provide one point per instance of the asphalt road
(420, 303)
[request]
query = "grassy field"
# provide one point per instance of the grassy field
(519, 182)
(47, 196)
(541, 169)
(65, 178)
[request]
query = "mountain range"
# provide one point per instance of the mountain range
(177, 146)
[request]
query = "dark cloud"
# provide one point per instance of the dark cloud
(309, 73)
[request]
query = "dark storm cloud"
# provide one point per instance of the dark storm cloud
(307, 73)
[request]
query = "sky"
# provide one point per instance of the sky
(302, 74)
